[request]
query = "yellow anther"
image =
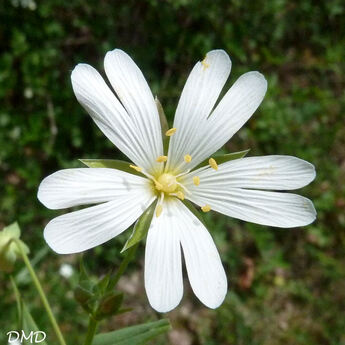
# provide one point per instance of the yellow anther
(159, 210)
(170, 132)
(187, 158)
(138, 169)
(206, 208)
(196, 180)
(205, 64)
(162, 159)
(213, 163)
(180, 195)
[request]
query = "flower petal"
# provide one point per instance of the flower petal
(73, 187)
(204, 267)
(163, 265)
(232, 112)
(105, 109)
(282, 210)
(267, 172)
(136, 96)
(198, 97)
(87, 228)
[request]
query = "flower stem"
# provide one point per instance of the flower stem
(91, 330)
(41, 293)
(129, 256)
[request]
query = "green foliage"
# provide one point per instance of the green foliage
(141, 227)
(286, 286)
(134, 335)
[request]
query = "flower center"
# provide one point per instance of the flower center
(166, 183)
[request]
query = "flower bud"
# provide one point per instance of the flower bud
(9, 250)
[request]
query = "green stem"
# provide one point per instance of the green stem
(129, 256)
(41, 293)
(91, 330)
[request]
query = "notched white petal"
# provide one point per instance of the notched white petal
(163, 265)
(283, 210)
(87, 228)
(83, 186)
(266, 172)
(204, 267)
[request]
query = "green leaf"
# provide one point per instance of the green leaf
(164, 125)
(134, 335)
(19, 304)
(25, 319)
(196, 213)
(141, 227)
(110, 163)
(224, 158)
(29, 324)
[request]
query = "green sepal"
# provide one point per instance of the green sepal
(112, 164)
(9, 251)
(109, 305)
(102, 285)
(84, 297)
(134, 335)
(224, 158)
(164, 125)
(192, 208)
(141, 227)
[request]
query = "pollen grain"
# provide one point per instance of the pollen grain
(170, 132)
(196, 180)
(213, 163)
(138, 169)
(206, 208)
(162, 159)
(187, 158)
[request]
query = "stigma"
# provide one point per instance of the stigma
(167, 183)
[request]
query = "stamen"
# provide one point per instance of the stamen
(170, 132)
(159, 210)
(213, 163)
(183, 187)
(159, 207)
(184, 173)
(187, 158)
(158, 185)
(138, 169)
(180, 195)
(205, 64)
(206, 208)
(196, 180)
(162, 159)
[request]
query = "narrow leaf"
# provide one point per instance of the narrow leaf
(141, 227)
(19, 304)
(29, 325)
(110, 163)
(224, 158)
(134, 335)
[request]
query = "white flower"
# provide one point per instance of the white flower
(131, 122)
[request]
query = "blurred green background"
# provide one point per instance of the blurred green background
(286, 286)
